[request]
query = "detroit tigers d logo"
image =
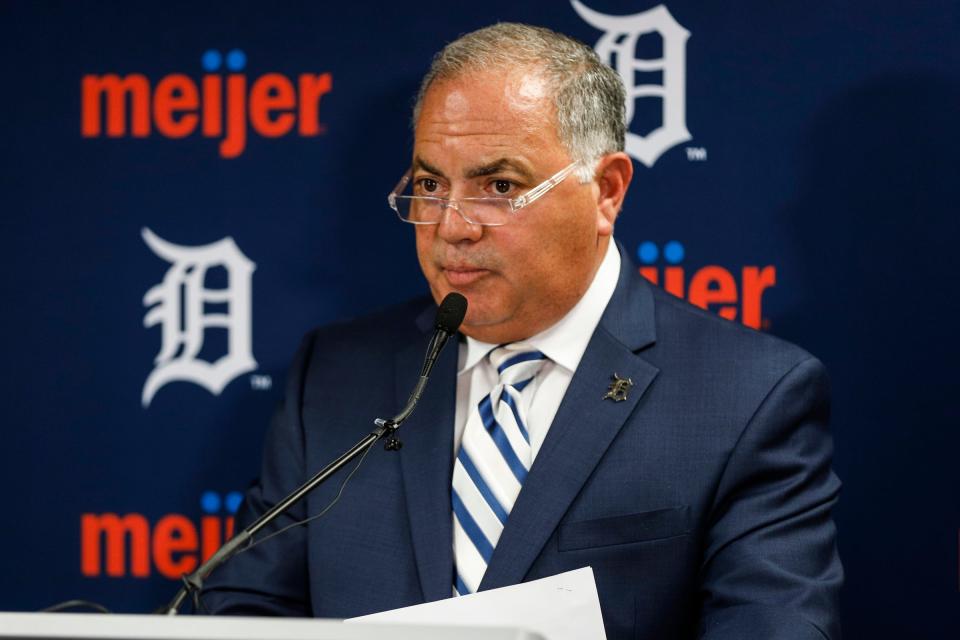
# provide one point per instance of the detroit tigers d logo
(618, 48)
(178, 304)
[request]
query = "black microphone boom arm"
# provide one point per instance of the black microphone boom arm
(449, 316)
(193, 582)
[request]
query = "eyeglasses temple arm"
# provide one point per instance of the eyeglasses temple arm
(538, 191)
(392, 196)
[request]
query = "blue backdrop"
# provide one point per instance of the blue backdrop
(815, 198)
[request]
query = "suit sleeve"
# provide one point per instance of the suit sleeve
(770, 566)
(271, 578)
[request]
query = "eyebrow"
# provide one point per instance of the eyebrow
(497, 166)
(478, 172)
(420, 163)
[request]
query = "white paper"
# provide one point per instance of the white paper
(561, 607)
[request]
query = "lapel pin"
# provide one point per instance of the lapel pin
(618, 389)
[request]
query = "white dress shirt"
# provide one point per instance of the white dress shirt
(563, 343)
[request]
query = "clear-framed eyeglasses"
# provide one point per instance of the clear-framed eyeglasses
(487, 211)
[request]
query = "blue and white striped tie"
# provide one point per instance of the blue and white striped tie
(492, 464)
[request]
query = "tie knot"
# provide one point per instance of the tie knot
(517, 363)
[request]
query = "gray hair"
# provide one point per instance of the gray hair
(589, 96)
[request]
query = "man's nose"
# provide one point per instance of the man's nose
(454, 227)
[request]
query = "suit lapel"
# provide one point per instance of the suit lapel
(427, 463)
(581, 432)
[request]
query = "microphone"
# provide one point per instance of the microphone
(449, 316)
(451, 312)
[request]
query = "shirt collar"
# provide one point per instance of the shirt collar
(565, 341)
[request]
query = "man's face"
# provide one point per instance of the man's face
(493, 133)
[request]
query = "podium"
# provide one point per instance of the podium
(58, 626)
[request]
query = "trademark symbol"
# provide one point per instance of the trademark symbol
(766, 324)
(261, 383)
(696, 154)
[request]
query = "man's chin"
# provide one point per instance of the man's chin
(487, 326)
(476, 293)
(484, 322)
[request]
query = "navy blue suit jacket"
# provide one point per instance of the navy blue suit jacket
(702, 502)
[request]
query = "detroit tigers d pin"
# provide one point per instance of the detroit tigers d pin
(618, 389)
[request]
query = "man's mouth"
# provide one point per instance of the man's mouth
(459, 276)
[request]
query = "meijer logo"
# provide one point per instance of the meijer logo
(129, 545)
(618, 47)
(185, 308)
(218, 105)
(710, 287)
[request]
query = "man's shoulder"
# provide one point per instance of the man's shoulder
(723, 370)
(690, 333)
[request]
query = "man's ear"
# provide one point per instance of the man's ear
(613, 175)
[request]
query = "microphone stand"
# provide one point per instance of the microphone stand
(193, 582)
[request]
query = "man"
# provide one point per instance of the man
(585, 419)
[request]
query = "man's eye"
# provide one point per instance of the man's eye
(502, 186)
(428, 185)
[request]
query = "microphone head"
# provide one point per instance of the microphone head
(451, 313)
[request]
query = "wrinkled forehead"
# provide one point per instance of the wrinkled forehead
(523, 89)
(497, 107)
